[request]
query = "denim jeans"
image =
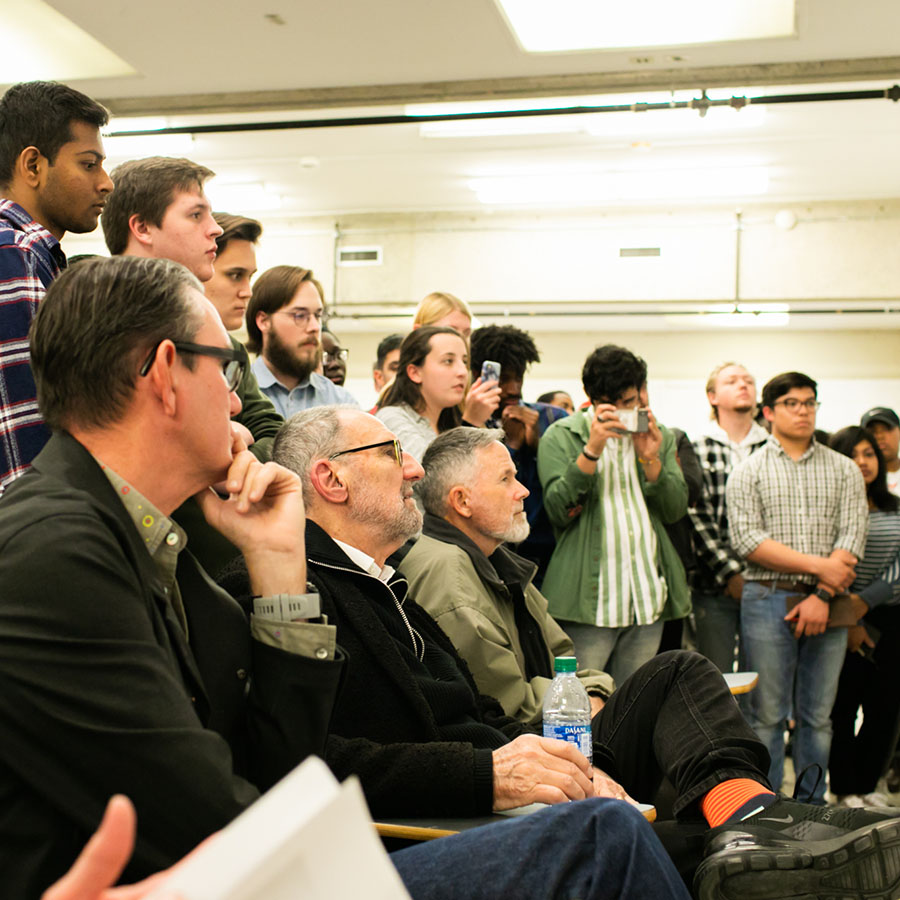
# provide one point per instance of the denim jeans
(795, 675)
(590, 850)
(619, 651)
(718, 620)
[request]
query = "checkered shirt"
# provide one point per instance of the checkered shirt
(30, 258)
(813, 505)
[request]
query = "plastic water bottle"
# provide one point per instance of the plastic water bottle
(567, 708)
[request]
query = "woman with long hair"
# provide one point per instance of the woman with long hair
(431, 381)
(870, 678)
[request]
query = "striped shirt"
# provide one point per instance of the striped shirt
(30, 258)
(878, 572)
(631, 589)
(814, 505)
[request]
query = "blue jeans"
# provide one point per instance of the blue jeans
(590, 850)
(718, 620)
(794, 674)
(619, 651)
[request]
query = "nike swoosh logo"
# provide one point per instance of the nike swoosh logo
(786, 819)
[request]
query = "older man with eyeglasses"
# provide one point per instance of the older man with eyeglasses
(797, 513)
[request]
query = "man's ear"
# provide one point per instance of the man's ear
(139, 229)
(459, 501)
(30, 167)
(769, 413)
(326, 482)
(262, 322)
(162, 377)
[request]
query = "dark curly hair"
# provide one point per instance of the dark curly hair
(610, 371)
(513, 348)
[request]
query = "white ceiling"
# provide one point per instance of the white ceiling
(228, 56)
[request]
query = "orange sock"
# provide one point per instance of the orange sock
(725, 799)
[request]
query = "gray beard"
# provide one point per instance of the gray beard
(516, 533)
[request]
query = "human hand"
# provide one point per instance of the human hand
(734, 587)
(604, 425)
(264, 518)
(521, 426)
(647, 444)
(604, 786)
(244, 433)
(102, 860)
(481, 402)
(810, 616)
(835, 572)
(534, 769)
(857, 638)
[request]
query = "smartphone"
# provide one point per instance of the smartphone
(490, 371)
(635, 420)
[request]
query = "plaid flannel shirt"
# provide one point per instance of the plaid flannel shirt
(716, 559)
(30, 258)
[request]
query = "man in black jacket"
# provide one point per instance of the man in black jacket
(411, 723)
(123, 668)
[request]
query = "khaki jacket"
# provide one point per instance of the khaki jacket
(457, 584)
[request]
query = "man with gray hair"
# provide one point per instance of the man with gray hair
(478, 590)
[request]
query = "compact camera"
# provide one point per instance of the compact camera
(635, 420)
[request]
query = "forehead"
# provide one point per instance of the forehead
(185, 201)
(362, 428)
(493, 460)
(305, 297)
(83, 137)
(328, 341)
(455, 319)
(446, 343)
(798, 393)
(391, 358)
(239, 254)
(731, 372)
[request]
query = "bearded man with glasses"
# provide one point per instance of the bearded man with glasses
(284, 326)
(797, 513)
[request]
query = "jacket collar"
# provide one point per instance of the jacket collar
(513, 566)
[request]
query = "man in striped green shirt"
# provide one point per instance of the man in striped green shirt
(608, 491)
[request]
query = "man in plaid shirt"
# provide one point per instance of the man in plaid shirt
(51, 181)
(718, 579)
(798, 514)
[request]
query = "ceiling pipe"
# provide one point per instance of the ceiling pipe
(702, 104)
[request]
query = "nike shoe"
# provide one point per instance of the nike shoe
(804, 852)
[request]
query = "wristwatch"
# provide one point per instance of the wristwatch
(822, 594)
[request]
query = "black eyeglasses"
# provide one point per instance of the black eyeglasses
(232, 368)
(792, 404)
(341, 354)
(398, 450)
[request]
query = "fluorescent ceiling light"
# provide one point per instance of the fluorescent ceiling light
(121, 149)
(606, 24)
(247, 197)
(603, 188)
(40, 43)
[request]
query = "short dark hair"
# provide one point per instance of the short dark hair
(781, 384)
(610, 371)
(94, 327)
(844, 441)
(146, 188)
(548, 397)
(403, 390)
(273, 290)
(40, 114)
(236, 228)
(385, 346)
(513, 348)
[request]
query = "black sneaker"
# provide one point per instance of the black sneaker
(804, 852)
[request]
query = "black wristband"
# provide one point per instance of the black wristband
(589, 456)
(822, 594)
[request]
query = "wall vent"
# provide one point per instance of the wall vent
(359, 256)
(626, 252)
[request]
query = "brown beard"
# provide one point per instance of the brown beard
(284, 358)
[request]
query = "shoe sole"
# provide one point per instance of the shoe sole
(861, 865)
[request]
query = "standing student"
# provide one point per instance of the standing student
(797, 513)
(51, 181)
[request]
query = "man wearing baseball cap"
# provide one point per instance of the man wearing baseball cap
(885, 425)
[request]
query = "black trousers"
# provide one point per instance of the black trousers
(857, 761)
(675, 720)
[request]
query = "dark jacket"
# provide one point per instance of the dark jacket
(101, 692)
(384, 729)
